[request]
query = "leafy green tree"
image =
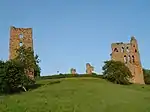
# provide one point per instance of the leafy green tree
(146, 73)
(12, 76)
(26, 56)
(116, 72)
(2, 75)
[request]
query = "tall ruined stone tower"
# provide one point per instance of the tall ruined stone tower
(129, 54)
(19, 37)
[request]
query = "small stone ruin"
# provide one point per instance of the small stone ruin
(73, 71)
(89, 68)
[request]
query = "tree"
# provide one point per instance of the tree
(116, 72)
(26, 56)
(12, 76)
(146, 73)
(2, 75)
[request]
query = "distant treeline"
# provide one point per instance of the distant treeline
(146, 73)
(70, 75)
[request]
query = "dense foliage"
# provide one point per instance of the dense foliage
(146, 73)
(116, 72)
(12, 77)
(12, 73)
(26, 56)
(70, 75)
(2, 75)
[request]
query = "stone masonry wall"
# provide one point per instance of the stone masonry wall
(19, 37)
(129, 54)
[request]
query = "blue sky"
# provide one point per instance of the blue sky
(70, 33)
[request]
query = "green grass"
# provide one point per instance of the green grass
(79, 95)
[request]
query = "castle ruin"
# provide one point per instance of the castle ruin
(89, 68)
(20, 37)
(73, 71)
(129, 54)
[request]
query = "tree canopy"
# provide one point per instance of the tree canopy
(146, 73)
(12, 72)
(116, 72)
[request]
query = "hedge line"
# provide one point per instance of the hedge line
(70, 75)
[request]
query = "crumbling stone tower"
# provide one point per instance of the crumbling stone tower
(89, 68)
(19, 37)
(73, 71)
(129, 54)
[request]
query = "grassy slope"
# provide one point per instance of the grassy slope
(79, 95)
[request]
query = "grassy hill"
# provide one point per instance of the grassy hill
(79, 95)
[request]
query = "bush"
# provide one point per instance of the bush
(146, 74)
(70, 75)
(12, 76)
(26, 56)
(2, 75)
(116, 72)
(52, 77)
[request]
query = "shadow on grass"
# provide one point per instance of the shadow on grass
(20, 90)
(36, 86)
(53, 82)
(33, 86)
(28, 88)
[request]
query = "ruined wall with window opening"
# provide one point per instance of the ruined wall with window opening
(20, 37)
(129, 54)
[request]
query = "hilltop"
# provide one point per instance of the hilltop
(84, 94)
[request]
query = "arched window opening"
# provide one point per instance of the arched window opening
(21, 36)
(135, 50)
(115, 50)
(125, 59)
(133, 60)
(127, 49)
(122, 49)
(20, 44)
(129, 58)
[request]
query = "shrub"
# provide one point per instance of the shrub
(116, 72)
(2, 75)
(70, 75)
(12, 76)
(146, 73)
(26, 56)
